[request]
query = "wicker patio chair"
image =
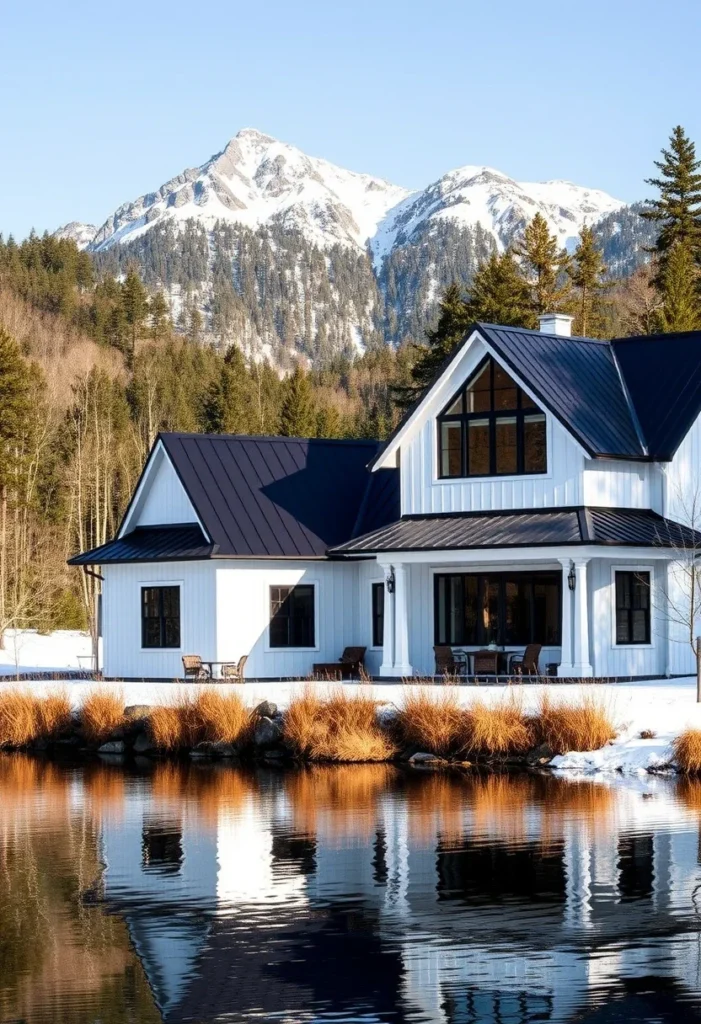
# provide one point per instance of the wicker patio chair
(233, 672)
(193, 667)
(446, 664)
(352, 661)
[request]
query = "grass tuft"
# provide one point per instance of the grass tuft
(583, 725)
(102, 712)
(498, 729)
(25, 718)
(342, 727)
(206, 715)
(434, 723)
(686, 751)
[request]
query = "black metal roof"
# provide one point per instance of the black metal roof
(662, 374)
(630, 398)
(578, 381)
(150, 544)
(265, 497)
(534, 528)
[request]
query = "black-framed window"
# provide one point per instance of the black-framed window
(160, 616)
(475, 609)
(292, 616)
(491, 428)
(378, 614)
(632, 607)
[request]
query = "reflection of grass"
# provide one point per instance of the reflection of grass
(686, 751)
(206, 789)
(343, 797)
(62, 959)
(341, 727)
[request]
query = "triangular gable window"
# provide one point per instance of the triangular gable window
(491, 427)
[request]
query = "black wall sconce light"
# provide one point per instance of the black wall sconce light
(390, 581)
(571, 577)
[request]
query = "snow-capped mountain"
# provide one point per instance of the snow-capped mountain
(257, 180)
(284, 253)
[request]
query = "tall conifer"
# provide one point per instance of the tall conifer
(298, 414)
(679, 287)
(677, 209)
(500, 293)
(543, 263)
(587, 272)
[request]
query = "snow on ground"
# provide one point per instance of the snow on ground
(25, 649)
(663, 706)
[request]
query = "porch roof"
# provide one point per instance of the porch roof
(150, 544)
(534, 528)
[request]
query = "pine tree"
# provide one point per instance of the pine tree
(500, 294)
(453, 322)
(543, 263)
(159, 316)
(135, 306)
(228, 407)
(678, 208)
(587, 273)
(679, 288)
(297, 414)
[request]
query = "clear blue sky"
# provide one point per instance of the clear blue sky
(100, 102)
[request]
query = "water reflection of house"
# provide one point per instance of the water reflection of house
(396, 909)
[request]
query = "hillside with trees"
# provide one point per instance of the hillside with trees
(92, 366)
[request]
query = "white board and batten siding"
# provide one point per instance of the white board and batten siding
(124, 657)
(243, 613)
(617, 484)
(683, 480)
(163, 501)
(607, 657)
(422, 492)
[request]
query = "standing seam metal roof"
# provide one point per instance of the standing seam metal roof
(544, 527)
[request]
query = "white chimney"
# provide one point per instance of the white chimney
(556, 323)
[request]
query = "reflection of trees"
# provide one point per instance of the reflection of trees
(62, 957)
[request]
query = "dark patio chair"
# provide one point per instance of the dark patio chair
(526, 664)
(446, 662)
(352, 661)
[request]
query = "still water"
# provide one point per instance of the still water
(345, 894)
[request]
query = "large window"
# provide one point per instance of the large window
(292, 616)
(491, 428)
(378, 614)
(504, 608)
(160, 616)
(632, 607)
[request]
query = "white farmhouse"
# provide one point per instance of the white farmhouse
(545, 490)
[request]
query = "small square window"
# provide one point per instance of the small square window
(292, 616)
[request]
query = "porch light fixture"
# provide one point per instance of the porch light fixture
(390, 581)
(571, 577)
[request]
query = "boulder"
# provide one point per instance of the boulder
(143, 744)
(112, 747)
(421, 757)
(203, 749)
(221, 749)
(266, 709)
(137, 712)
(267, 733)
(540, 755)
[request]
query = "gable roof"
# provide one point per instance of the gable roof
(629, 398)
(263, 497)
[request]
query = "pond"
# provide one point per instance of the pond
(360, 893)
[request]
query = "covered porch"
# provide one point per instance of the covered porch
(494, 600)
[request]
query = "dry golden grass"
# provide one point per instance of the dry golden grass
(583, 725)
(25, 718)
(497, 729)
(343, 727)
(102, 712)
(686, 751)
(434, 722)
(206, 715)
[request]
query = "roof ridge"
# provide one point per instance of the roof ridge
(629, 402)
(357, 441)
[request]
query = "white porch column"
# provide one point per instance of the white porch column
(395, 648)
(402, 665)
(582, 664)
(387, 666)
(565, 666)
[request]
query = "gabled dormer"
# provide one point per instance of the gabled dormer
(535, 419)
